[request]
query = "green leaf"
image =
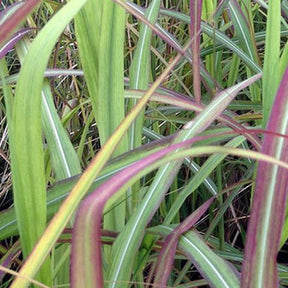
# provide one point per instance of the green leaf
(269, 201)
(140, 70)
(128, 240)
(271, 69)
(58, 223)
(29, 185)
(243, 31)
(211, 163)
(65, 161)
(214, 269)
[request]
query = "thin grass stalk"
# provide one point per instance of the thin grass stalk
(195, 29)
(206, 169)
(208, 15)
(271, 72)
(139, 79)
(140, 70)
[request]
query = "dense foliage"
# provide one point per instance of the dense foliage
(143, 143)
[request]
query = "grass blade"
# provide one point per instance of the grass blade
(140, 69)
(219, 37)
(87, 26)
(58, 223)
(105, 88)
(168, 251)
(111, 91)
(213, 268)
(14, 39)
(128, 240)
(271, 71)
(195, 29)
(139, 79)
(264, 231)
(243, 31)
(26, 139)
(20, 12)
(65, 161)
(206, 169)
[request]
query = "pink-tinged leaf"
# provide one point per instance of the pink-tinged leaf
(243, 30)
(86, 266)
(9, 257)
(195, 29)
(11, 23)
(167, 253)
(13, 41)
(7, 12)
(268, 209)
(188, 103)
(218, 272)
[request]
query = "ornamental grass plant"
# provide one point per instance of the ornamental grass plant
(143, 143)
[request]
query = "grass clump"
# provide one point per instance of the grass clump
(143, 143)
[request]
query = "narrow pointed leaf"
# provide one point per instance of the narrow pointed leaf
(65, 161)
(243, 31)
(268, 210)
(13, 41)
(19, 13)
(168, 251)
(214, 269)
(195, 29)
(271, 69)
(26, 139)
(140, 70)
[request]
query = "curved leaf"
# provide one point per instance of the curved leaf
(214, 269)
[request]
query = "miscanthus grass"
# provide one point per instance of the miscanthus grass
(143, 143)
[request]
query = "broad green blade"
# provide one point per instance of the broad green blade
(111, 91)
(102, 59)
(65, 162)
(29, 185)
(88, 28)
(58, 223)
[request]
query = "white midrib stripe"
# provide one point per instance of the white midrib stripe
(57, 138)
